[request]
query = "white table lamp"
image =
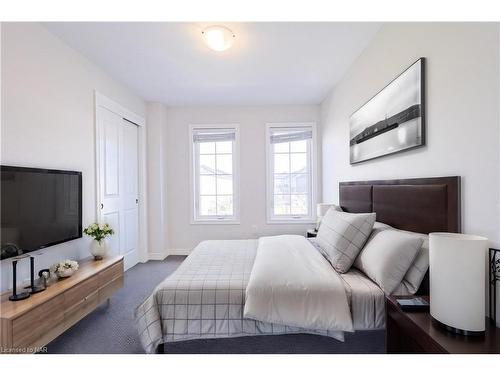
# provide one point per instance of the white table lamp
(457, 264)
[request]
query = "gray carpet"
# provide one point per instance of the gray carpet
(363, 342)
(111, 329)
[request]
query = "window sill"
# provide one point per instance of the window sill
(291, 221)
(214, 222)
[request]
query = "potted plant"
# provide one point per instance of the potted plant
(99, 247)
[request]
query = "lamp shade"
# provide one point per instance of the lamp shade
(322, 209)
(457, 281)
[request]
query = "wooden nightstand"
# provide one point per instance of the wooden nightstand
(311, 233)
(415, 332)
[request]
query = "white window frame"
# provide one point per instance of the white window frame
(298, 219)
(194, 186)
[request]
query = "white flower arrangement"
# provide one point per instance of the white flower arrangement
(65, 268)
(98, 231)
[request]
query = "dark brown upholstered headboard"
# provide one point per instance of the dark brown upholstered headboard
(420, 205)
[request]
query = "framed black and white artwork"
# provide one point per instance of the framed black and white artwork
(393, 120)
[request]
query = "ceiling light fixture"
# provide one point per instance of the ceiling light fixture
(218, 38)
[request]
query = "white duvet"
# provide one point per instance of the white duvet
(293, 284)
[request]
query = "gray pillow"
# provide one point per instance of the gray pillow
(387, 256)
(381, 226)
(415, 274)
(342, 235)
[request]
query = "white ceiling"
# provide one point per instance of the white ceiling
(269, 63)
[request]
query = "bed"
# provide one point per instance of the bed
(205, 297)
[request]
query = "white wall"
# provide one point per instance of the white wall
(463, 124)
(462, 114)
(157, 180)
(252, 121)
(48, 117)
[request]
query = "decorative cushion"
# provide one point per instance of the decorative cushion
(416, 273)
(342, 235)
(387, 256)
(378, 226)
(337, 208)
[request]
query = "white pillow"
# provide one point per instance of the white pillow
(416, 273)
(387, 256)
(342, 235)
(381, 226)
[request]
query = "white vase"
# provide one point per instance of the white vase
(99, 249)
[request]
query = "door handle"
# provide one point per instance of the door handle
(136, 200)
(102, 206)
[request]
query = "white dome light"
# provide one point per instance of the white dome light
(218, 38)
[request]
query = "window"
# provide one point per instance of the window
(215, 174)
(291, 177)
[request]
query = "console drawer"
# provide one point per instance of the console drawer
(111, 273)
(80, 291)
(81, 309)
(31, 326)
(110, 288)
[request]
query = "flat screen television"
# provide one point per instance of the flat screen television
(39, 208)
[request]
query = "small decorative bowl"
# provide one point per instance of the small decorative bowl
(65, 268)
(63, 273)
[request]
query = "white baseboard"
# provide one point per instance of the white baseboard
(166, 253)
(158, 256)
(179, 251)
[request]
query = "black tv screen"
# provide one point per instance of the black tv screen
(39, 208)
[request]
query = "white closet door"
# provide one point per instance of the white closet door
(130, 194)
(118, 175)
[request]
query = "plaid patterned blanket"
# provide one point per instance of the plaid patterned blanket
(205, 298)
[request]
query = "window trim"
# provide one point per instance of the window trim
(194, 217)
(271, 218)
